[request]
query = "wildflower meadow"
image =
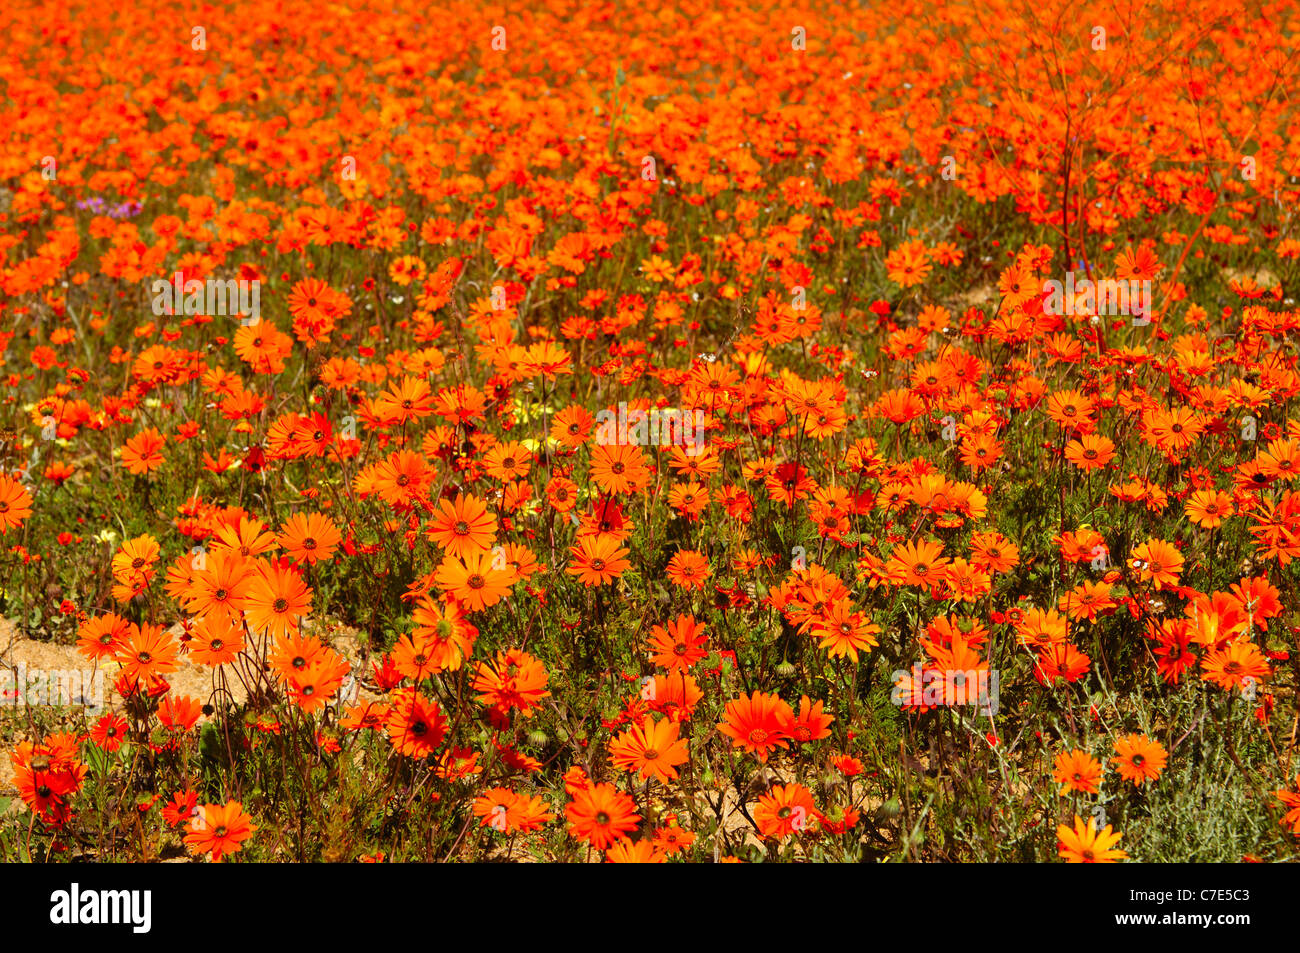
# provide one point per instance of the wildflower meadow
(579, 431)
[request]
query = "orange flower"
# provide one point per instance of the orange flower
(220, 588)
(100, 637)
(409, 400)
(679, 645)
(277, 600)
(811, 724)
(179, 713)
(689, 569)
(899, 406)
(675, 695)
(1039, 629)
(1085, 845)
(981, 451)
(597, 560)
(618, 468)
(844, 632)
(413, 658)
(1139, 759)
(1281, 461)
(476, 581)
(217, 640)
(415, 725)
(689, 499)
(219, 830)
(572, 426)
(309, 537)
(1071, 410)
(785, 810)
(136, 559)
(142, 453)
(562, 494)
(1172, 431)
(625, 851)
(446, 635)
(507, 812)
(917, 563)
(513, 679)
(147, 653)
(263, 347)
(15, 503)
(908, 264)
(1077, 771)
(463, 528)
(1090, 452)
(651, 749)
(312, 687)
(1239, 665)
(1157, 561)
(993, 552)
(600, 814)
(1060, 660)
(293, 653)
(1087, 601)
(759, 723)
(1209, 508)
(508, 461)
(403, 478)
(672, 839)
(1291, 801)
(248, 537)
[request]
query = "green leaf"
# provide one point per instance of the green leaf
(96, 758)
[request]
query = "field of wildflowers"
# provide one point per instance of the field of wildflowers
(702, 432)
